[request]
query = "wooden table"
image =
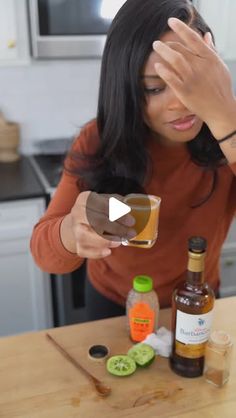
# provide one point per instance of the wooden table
(36, 381)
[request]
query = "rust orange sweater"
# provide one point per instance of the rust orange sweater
(180, 183)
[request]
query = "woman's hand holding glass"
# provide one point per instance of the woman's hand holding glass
(87, 230)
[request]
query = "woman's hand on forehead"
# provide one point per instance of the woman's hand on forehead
(191, 37)
(195, 72)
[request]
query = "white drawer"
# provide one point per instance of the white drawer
(18, 218)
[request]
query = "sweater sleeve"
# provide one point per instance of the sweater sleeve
(46, 245)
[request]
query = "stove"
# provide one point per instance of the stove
(48, 169)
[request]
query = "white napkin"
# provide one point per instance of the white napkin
(160, 341)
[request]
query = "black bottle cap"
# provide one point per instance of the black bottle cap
(197, 244)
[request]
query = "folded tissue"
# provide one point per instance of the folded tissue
(160, 341)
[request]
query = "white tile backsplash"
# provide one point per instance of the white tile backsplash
(49, 99)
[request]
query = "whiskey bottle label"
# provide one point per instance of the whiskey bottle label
(192, 333)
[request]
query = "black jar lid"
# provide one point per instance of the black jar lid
(98, 351)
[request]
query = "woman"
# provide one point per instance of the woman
(165, 104)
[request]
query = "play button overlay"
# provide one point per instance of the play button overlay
(110, 215)
(117, 209)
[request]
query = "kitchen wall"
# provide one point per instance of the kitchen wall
(50, 99)
(232, 67)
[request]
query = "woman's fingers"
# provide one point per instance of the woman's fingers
(179, 57)
(176, 55)
(84, 233)
(189, 36)
(176, 47)
(169, 76)
(93, 253)
(89, 203)
(101, 224)
(93, 210)
(209, 41)
(91, 245)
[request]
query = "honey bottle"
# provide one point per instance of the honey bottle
(192, 309)
(142, 308)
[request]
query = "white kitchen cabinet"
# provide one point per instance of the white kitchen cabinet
(220, 16)
(14, 43)
(25, 295)
(228, 264)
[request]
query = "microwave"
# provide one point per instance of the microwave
(70, 28)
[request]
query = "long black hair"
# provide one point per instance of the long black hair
(122, 152)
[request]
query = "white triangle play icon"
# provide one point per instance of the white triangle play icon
(117, 209)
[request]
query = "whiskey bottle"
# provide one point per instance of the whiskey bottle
(192, 308)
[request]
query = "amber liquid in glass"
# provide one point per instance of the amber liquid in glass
(145, 210)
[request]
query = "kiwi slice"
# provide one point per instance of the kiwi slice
(121, 365)
(143, 354)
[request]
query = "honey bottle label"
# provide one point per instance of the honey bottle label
(141, 321)
(192, 333)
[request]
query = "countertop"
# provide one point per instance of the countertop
(18, 180)
(38, 382)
